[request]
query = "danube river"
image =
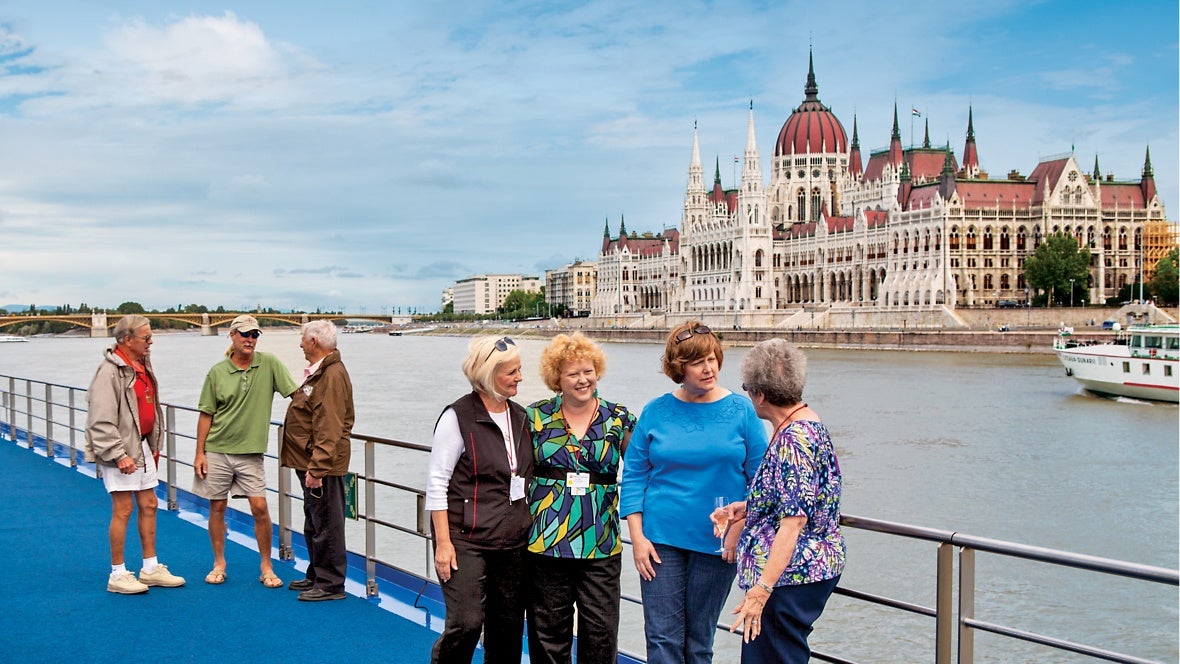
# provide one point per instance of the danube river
(998, 446)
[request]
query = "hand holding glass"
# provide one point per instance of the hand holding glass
(720, 519)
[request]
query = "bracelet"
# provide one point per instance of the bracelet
(764, 587)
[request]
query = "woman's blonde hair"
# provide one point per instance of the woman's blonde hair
(680, 349)
(483, 356)
(566, 348)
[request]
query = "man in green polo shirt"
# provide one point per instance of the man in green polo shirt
(232, 435)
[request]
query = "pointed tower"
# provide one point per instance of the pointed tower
(903, 190)
(970, 155)
(695, 198)
(751, 169)
(926, 139)
(1147, 184)
(855, 170)
(606, 235)
(895, 151)
(718, 195)
(622, 230)
(946, 183)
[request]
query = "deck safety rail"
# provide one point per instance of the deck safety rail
(51, 418)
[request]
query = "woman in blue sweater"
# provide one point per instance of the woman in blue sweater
(690, 446)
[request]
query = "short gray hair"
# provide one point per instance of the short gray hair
(777, 370)
(127, 326)
(323, 331)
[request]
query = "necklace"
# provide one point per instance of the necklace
(787, 419)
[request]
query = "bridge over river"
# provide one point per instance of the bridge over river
(100, 324)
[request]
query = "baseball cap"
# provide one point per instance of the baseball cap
(244, 323)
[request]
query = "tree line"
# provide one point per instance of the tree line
(1058, 271)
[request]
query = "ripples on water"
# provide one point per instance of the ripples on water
(999, 446)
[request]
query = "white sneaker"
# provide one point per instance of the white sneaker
(160, 577)
(125, 583)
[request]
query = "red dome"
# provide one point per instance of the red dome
(812, 128)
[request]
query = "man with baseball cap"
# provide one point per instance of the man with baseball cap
(232, 435)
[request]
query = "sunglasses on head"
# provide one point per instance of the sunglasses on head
(502, 345)
(252, 334)
(685, 335)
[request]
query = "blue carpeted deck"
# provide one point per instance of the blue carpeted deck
(53, 529)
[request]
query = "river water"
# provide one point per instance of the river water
(993, 445)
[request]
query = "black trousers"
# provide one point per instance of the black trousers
(323, 530)
(484, 593)
(787, 621)
(555, 586)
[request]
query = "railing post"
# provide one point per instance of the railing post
(49, 421)
(73, 429)
(29, 413)
(966, 605)
(286, 550)
(170, 451)
(944, 604)
(423, 529)
(370, 514)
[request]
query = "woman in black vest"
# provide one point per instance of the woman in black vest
(480, 462)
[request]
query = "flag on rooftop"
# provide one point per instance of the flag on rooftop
(917, 113)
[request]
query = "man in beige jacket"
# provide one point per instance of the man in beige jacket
(124, 424)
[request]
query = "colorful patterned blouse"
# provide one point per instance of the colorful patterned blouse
(799, 476)
(565, 525)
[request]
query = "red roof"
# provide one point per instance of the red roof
(922, 196)
(978, 194)
(839, 224)
(876, 166)
(1046, 173)
(876, 218)
(926, 163)
(1121, 195)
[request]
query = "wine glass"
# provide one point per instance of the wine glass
(721, 519)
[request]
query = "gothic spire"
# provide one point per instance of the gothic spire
(811, 90)
(1147, 172)
(926, 140)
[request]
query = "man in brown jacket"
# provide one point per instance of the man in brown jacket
(317, 444)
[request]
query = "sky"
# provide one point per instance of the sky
(363, 156)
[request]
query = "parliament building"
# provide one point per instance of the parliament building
(912, 230)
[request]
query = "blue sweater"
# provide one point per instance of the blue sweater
(683, 455)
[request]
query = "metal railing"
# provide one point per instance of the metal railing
(55, 416)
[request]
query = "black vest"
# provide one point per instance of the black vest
(478, 509)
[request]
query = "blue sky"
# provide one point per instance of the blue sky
(367, 154)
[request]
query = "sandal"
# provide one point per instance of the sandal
(270, 580)
(215, 577)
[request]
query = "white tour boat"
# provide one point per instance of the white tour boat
(1139, 363)
(11, 338)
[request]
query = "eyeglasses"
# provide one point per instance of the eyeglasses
(252, 334)
(685, 335)
(146, 337)
(502, 345)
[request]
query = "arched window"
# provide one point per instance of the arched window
(801, 204)
(815, 204)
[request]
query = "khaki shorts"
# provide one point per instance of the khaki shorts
(236, 475)
(143, 479)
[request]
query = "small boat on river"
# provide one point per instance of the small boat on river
(1141, 363)
(11, 338)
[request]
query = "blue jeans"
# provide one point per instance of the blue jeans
(682, 603)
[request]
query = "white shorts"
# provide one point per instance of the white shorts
(141, 480)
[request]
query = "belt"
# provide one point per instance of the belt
(555, 473)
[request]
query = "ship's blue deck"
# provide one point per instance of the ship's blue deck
(53, 525)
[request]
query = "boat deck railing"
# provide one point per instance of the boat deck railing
(34, 410)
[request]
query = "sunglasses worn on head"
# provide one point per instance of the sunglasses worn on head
(685, 335)
(502, 345)
(252, 334)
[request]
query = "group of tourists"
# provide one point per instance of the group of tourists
(526, 503)
(124, 429)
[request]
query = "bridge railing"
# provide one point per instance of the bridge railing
(50, 419)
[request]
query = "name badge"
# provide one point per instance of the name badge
(516, 488)
(578, 483)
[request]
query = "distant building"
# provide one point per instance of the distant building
(448, 296)
(913, 229)
(572, 286)
(637, 273)
(484, 293)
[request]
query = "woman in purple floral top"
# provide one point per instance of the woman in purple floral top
(791, 553)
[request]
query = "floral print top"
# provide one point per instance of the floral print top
(799, 476)
(567, 525)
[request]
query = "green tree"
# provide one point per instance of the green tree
(1165, 283)
(1055, 263)
(130, 308)
(522, 304)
